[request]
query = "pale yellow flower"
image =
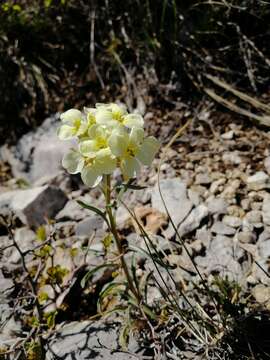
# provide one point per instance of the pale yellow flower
(96, 140)
(108, 137)
(131, 149)
(91, 168)
(114, 115)
(74, 124)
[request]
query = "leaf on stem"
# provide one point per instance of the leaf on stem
(90, 273)
(94, 209)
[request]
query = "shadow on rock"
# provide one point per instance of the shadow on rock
(89, 340)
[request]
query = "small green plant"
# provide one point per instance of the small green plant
(56, 274)
(108, 138)
(33, 350)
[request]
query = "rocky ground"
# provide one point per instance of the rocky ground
(215, 181)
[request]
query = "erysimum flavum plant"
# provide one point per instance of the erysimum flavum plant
(108, 137)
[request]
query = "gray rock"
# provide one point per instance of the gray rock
(266, 210)
(62, 181)
(264, 249)
(254, 217)
(25, 238)
(217, 185)
(88, 340)
(38, 153)
(6, 284)
(204, 236)
(203, 179)
(47, 157)
(232, 158)
(246, 237)
(222, 257)
(122, 217)
(193, 220)
(72, 211)
(232, 221)
(87, 226)
(11, 329)
(262, 295)
(217, 206)
(267, 164)
(265, 235)
(247, 226)
(231, 189)
(261, 268)
(245, 204)
(228, 135)
(256, 205)
(260, 180)
(194, 196)
(35, 205)
(175, 196)
(153, 295)
(222, 229)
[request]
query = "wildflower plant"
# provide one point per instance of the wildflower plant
(108, 137)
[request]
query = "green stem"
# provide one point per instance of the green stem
(118, 240)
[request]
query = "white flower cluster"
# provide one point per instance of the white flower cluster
(108, 137)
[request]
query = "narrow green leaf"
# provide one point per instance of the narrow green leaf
(120, 308)
(129, 185)
(145, 308)
(123, 336)
(94, 209)
(111, 288)
(149, 312)
(136, 187)
(90, 273)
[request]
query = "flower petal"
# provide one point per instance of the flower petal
(82, 128)
(103, 116)
(105, 162)
(90, 176)
(118, 110)
(93, 131)
(136, 137)
(148, 150)
(133, 120)
(88, 148)
(71, 115)
(90, 110)
(102, 105)
(73, 162)
(129, 167)
(104, 153)
(90, 115)
(66, 132)
(106, 166)
(118, 142)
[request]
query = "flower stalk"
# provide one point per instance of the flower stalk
(117, 239)
(107, 138)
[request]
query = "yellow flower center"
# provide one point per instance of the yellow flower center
(88, 161)
(91, 119)
(77, 124)
(118, 116)
(101, 142)
(131, 151)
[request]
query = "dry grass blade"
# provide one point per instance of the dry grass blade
(263, 120)
(251, 100)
